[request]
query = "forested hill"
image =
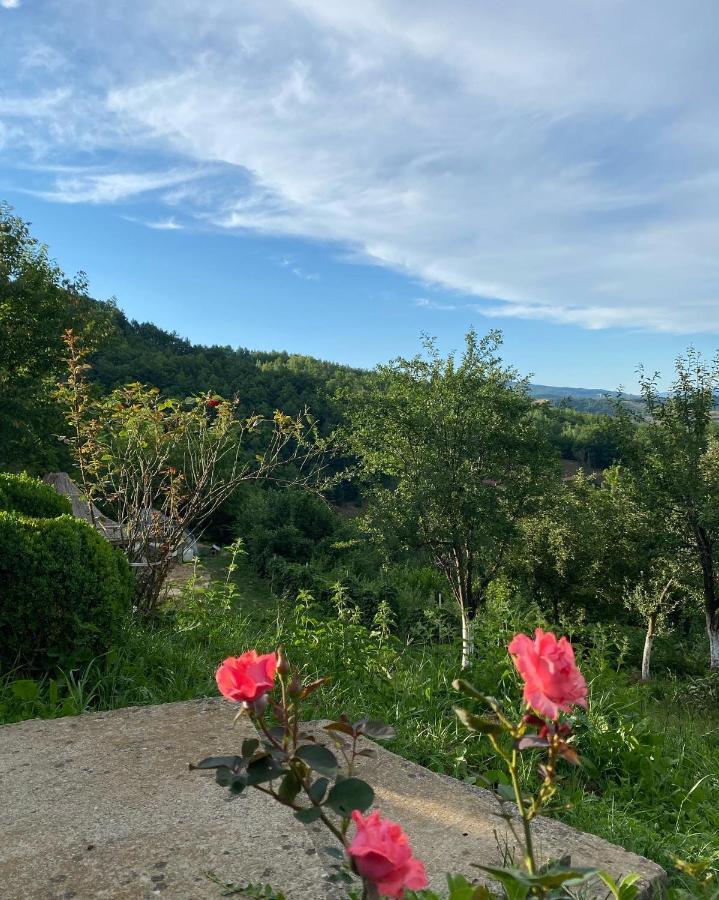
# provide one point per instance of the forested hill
(264, 381)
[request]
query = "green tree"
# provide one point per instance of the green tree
(573, 548)
(455, 458)
(656, 562)
(674, 459)
(37, 303)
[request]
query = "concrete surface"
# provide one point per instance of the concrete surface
(104, 806)
(453, 825)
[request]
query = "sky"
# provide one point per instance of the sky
(336, 179)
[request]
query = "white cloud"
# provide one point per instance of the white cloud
(534, 157)
(289, 263)
(426, 303)
(170, 224)
(113, 187)
(10, 4)
(165, 225)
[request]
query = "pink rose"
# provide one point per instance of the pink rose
(247, 677)
(552, 680)
(382, 855)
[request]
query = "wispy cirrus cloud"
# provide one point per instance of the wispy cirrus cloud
(170, 224)
(535, 155)
(426, 303)
(113, 187)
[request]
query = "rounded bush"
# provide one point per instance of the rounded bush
(64, 592)
(31, 497)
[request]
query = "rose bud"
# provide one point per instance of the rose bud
(283, 664)
(259, 705)
(531, 719)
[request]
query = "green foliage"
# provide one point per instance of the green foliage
(31, 497)
(673, 459)
(64, 591)
(455, 459)
(37, 303)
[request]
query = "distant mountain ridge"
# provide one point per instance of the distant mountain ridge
(550, 391)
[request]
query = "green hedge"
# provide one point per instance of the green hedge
(64, 591)
(31, 497)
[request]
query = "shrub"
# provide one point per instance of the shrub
(31, 497)
(64, 591)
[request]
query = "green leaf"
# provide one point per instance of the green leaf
(477, 723)
(376, 730)
(318, 790)
(561, 875)
(464, 687)
(626, 889)
(506, 792)
(350, 794)
(344, 727)
(461, 889)
(263, 769)
(318, 758)
(515, 883)
(307, 816)
(225, 778)
(214, 762)
(249, 745)
(25, 689)
(289, 788)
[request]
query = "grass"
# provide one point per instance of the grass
(651, 776)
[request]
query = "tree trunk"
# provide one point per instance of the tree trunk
(648, 642)
(711, 603)
(713, 634)
(467, 642)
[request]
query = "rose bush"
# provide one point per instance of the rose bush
(289, 763)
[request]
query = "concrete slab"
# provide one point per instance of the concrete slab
(104, 806)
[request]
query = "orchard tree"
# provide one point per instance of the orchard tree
(657, 565)
(674, 460)
(456, 460)
(653, 598)
(573, 548)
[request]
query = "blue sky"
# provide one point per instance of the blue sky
(335, 179)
